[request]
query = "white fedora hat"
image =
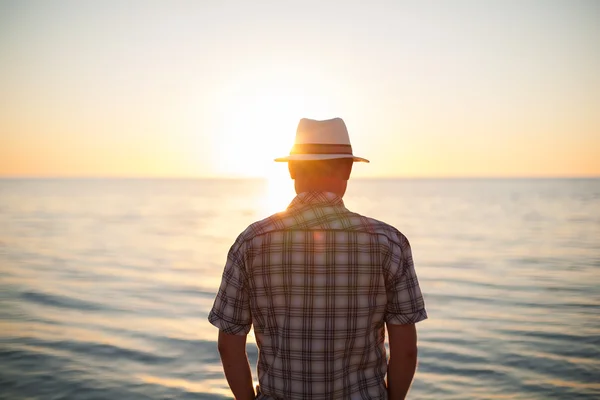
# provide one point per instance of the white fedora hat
(321, 140)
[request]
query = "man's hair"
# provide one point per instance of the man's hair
(337, 167)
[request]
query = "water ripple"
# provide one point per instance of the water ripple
(61, 301)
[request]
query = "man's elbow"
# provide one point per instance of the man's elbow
(405, 353)
(411, 353)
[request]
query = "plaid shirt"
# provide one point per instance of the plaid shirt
(318, 282)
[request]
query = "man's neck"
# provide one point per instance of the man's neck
(331, 185)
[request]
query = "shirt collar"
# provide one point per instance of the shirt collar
(316, 198)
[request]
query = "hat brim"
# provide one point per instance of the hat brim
(316, 157)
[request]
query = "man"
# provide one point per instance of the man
(318, 283)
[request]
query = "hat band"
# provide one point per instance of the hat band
(321, 148)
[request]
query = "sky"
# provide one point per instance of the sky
(216, 88)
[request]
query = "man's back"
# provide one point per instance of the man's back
(318, 283)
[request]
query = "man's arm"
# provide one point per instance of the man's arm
(403, 359)
(232, 349)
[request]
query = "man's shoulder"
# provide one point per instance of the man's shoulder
(379, 227)
(261, 227)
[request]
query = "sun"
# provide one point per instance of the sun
(258, 127)
(262, 128)
(258, 114)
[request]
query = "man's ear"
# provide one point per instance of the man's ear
(292, 169)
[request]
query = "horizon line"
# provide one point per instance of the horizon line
(383, 177)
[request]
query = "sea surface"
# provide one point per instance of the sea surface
(105, 285)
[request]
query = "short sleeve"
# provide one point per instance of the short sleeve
(231, 309)
(405, 303)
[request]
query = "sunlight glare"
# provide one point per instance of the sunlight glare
(259, 113)
(260, 128)
(279, 190)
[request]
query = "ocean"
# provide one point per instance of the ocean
(105, 285)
